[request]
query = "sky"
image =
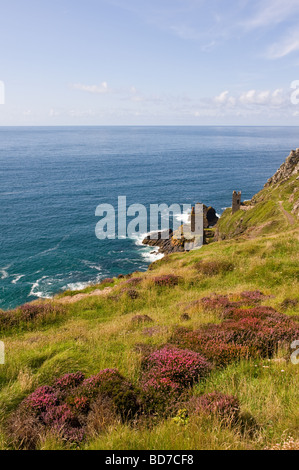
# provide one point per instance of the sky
(149, 62)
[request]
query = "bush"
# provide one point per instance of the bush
(108, 280)
(226, 407)
(69, 381)
(132, 294)
(174, 367)
(141, 319)
(213, 268)
(253, 332)
(111, 385)
(135, 281)
(220, 302)
(64, 409)
(30, 314)
(212, 344)
(253, 296)
(168, 280)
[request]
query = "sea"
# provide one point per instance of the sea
(52, 179)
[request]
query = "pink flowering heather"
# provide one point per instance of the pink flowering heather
(253, 296)
(250, 332)
(69, 381)
(182, 367)
(42, 400)
(59, 416)
(64, 408)
(168, 280)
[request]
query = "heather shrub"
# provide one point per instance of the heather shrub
(42, 400)
(30, 314)
(135, 281)
(226, 407)
(108, 280)
(168, 280)
(180, 367)
(72, 404)
(253, 296)
(111, 385)
(252, 332)
(212, 344)
(289, 303)
(261, 313)
(132, 294)
(68, 382)
(219, 302)
(213, 268)
(166, 375)
(141, 319)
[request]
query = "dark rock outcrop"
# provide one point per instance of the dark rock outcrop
(168, 244)
(288, 168)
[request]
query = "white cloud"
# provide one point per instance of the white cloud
(285, 47)
(95, 89)
(272, 12)
(251, 101)
(222, 98)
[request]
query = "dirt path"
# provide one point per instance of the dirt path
(76, 298)
(289, 217)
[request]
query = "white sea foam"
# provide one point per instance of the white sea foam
(18, 277)
(153, 255)
(4, 273)
(73, 286)
(36, 292)
(91, 265)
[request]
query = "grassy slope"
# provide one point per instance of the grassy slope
(265, 217)
(97, 333)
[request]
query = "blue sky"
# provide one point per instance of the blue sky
(149, 62)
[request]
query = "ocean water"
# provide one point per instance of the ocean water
(52, 180)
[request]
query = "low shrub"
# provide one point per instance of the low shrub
(253, 296)
(226, 407)
(132, 294)
(213, 268)
(30, 314)
(64, 409)
(111, 385)
(168, 280)
(212, 344)
(252, 332)
(108, 280)
(135, 281)
(141, 319)
(181, 368)
(289, 303)
(69, 381)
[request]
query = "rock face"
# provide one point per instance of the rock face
(173, 245)
(165, 246)
(288, 168)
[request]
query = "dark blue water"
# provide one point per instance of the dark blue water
(52, 180)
